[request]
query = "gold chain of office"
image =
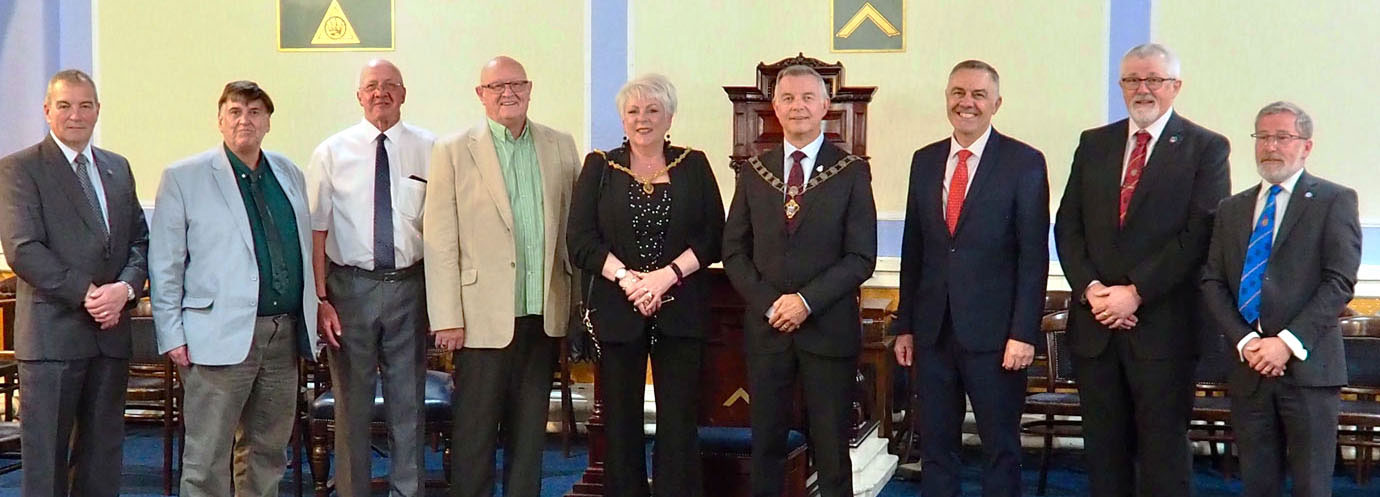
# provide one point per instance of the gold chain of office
(646, 180)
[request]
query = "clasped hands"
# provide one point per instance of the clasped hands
(104, 302)
(787, 313)
(647, 290)
(1114, 306)
(1267, 356)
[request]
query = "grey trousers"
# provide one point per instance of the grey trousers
(73, 429)
(383, 330)
(504, 391)
(245, 410)
(1282, 429)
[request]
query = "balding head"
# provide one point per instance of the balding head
(381, 93)
(505, 92)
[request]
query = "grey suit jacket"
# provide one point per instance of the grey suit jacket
(1309, 279)
(202, 266)
(54, 243)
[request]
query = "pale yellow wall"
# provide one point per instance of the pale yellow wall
(160, 66)
(1240, 55)
(1051, 56)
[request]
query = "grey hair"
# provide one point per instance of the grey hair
(71, 76)
(979, 66)
(1148, 50)
(801, 70)
(1302, 121)
(652, 86)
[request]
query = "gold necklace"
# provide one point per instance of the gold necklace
(647, 180)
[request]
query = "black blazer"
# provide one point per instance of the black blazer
(990, 276)
(1309, 279)
(601, 222)
(1163, 244)
(55, 244)
(833, 251)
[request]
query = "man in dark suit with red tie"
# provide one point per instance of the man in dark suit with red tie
(1132, 232)
(978, 210)
(800, 239)
(1281, 267)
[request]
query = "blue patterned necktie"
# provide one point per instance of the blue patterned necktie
(1257, 260)
(383, 210)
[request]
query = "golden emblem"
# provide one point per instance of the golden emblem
(791, 208)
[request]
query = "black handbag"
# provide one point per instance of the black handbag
(583, 345)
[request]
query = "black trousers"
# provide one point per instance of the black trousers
(1279, 427)
(73, 426)
(503, 392)
(1135, 421)
(676, 467)
(828, 385)
(945, 373)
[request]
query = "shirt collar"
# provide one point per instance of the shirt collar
(68, 152)
(1155, 128)
(501, 132)
(393, 133)
(811, 150)
(1287, 186)
(240, 167)
(976, 148)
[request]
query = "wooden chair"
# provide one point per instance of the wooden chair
(1360, 406)
(9, 428)
(1060, 397)
(560, 383)
(154, 391)
(320, 419)
(1210, 420)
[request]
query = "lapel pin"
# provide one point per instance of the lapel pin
(819, 169)
(1174, 139)
(1308, 195)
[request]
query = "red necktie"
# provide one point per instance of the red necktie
(794, 181)
(1133, 172)
(958, 187)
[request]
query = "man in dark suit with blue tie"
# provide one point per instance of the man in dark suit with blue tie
(977, 211)
(73, 231)
(1281, 267)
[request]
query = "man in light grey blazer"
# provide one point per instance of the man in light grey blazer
(230, 250)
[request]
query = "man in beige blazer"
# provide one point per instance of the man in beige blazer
(498, 281)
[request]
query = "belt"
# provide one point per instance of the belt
(381, 275)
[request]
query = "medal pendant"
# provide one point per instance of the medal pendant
(647, 188)
(791, 208)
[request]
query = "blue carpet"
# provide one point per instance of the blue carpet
(143, 466)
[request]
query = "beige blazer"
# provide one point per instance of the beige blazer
(467, 235)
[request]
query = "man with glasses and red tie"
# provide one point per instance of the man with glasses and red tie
(1281, 267)
(498, 280)
(1132, 232)
(365, 186)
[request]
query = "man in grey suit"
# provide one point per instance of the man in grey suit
(365, 186)
(73, 232)
(1281, 267)
(229, 255)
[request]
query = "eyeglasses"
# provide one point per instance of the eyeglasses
(1150, 83)
(1280, 138)
(519, 86)
(387, 86)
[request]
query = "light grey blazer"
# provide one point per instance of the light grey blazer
(202, 269)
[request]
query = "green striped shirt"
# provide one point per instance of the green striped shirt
(517, 157)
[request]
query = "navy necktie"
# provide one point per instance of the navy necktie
(1257, 260)
(383, 210)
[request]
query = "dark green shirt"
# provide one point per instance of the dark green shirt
(276, 245)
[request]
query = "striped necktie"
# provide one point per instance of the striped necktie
(1257, 260)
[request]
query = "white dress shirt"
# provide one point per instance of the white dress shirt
(340, 191)
(1281, 203)
(951, 164)
(807, 165)
(1155, 129)
(91, 172)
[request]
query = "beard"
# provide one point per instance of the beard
(1276, 172)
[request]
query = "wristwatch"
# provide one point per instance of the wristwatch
(129, 291)
(621, 273)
